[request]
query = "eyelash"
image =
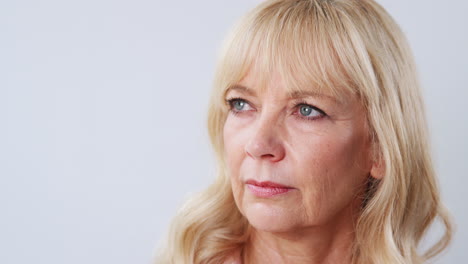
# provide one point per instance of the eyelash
(230, 102)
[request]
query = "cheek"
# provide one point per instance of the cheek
(330, 169)
(321, 151)
(234, 154)
(329, 150)
(232, 145)
(235, 135)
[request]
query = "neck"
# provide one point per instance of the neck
(320, 244)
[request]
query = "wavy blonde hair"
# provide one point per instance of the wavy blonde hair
(331, 45)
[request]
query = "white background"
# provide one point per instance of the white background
(103, 111)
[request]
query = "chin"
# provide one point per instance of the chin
(270, 219)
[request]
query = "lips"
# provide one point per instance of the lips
(267, 188)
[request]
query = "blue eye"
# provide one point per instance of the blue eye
(306, 110)
(238, 105)
(310, 112)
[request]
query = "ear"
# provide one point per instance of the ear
(378, 168)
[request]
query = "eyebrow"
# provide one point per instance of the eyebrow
(241, 88)
(292, 95)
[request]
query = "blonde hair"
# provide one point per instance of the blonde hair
(331, 45)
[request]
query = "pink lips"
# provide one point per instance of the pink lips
(267, 189)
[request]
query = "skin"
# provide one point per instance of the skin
(326, 161)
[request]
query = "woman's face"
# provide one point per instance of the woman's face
(297, 161)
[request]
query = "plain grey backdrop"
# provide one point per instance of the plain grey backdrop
(103, 111)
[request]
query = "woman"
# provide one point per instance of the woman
(318, 124)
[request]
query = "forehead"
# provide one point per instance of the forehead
(253, 84)
(300, 53)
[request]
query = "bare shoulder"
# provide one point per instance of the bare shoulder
(234, 258)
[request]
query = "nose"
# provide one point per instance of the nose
(265, 143)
